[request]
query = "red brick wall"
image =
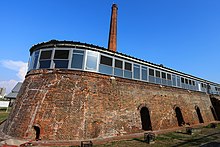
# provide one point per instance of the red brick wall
(71, 105)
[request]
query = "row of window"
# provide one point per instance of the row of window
(94, 61)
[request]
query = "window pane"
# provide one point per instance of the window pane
(136, 71)
(61, 63)
(127, 66)
(190, 82)
(164, 81)
(61, 54)
(163, 75)
(105, 69)
(158, 80)
(151, 72)
(35, 60)
(118, 72)
(45, 63)
(91, 63)
(77, 59)
(182, 80)
(46, 54)
(118, 63)
(152, 79)
(169, 76)
(158, 74)
(186, 81)
(106, 60)
(127, 74)
(144, 73)
(174, 80)
(178, 81)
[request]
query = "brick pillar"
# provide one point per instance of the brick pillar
(112, 42)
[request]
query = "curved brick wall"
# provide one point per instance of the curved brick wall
(74, 105)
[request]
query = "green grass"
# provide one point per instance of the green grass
(182, 139)
(3, 115)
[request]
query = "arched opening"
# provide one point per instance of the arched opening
(213, 113)
(216, 107)
(37, 131)
(199, 115)
(145, 119)
(179, 116)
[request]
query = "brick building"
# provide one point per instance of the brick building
(76, 91)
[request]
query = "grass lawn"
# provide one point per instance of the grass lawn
(178, 138)
(3, 115)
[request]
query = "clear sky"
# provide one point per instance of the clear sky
(180, 34)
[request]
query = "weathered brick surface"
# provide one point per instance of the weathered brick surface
(74, 105)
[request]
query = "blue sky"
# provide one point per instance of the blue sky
(180, 34)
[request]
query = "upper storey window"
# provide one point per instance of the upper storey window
(33, 60)
(136, 69)
(77, 59)
(128, 70)
(105, 65)
(61, 58)
(45, 59)
(151, 75)
(91, 62)
(144, 73)
(118, 70)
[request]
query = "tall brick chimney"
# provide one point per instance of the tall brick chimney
(112, 41)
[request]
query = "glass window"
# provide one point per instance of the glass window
(118, 63)
(46, 54)
(190, 82)
(127, 66)
(106, 60)
(163, 75)
(136, 71)
(127, 74)
(186, 81)
(169, 76)
(157, 73)
(144, 73)
(61, 63)
(45, 59)
(178, 81)
(45, 64)
(151, 72)
(30, 62)
(61, 54)
(35, 60)
(91, 63)
(174, 80)
(105, 65)
(193, 82)
(77, 59)
(182, 80)
(127, 71)
(118, 71)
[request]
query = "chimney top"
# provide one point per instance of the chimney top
(112, 41)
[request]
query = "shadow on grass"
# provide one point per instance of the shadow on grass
(198, 141)
(140, 140)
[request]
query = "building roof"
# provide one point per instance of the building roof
(14, 92)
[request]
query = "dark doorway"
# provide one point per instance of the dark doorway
(145, 119)
(213, 113)
(179, 116)
(216, 106)
(199, 115)
(37, 130)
